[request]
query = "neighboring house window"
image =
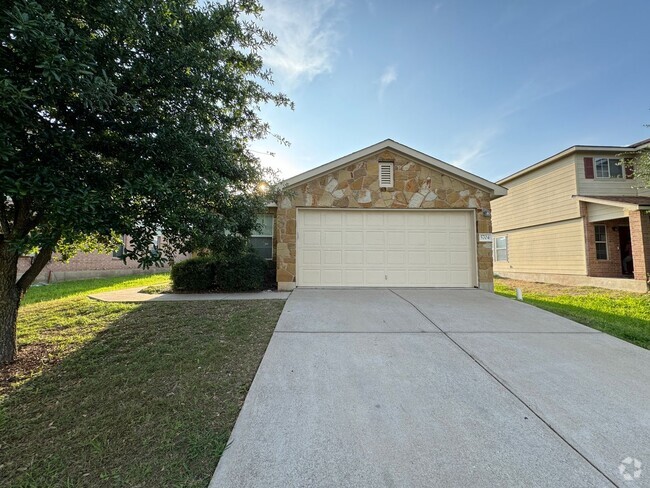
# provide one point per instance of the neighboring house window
(119, 252)
(262, 241)
(156, 242)
(386, 176)
(601, 241)
(608, 168)
(501, 248)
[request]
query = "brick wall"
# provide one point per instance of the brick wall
(83, 265)
(612, 266)
(640, 234)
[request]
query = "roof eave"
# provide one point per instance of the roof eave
(562, 154)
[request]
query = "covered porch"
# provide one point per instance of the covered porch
(617, 237)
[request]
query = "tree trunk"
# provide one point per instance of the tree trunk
(10, 295)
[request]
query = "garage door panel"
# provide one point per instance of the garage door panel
(395, 239)
(353, 277)
(374, 257)
(416, 239)
(311, 237)
(311, 257)
(374, 219)
(375, 277)
(395, 257)
(353, 257)
(332, 238)
(353, 219)
(375, 238)
(394, 220)
(332, 277)
(332, 219)
(417, 258)
(385, 248)
(353, 238)
(438, 239)
(332, 257)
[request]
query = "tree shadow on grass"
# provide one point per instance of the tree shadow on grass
(149, 401)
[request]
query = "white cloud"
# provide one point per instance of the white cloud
(475, 148)
(388, 77)
(307, 38)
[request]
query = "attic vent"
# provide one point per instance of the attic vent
(385, 174)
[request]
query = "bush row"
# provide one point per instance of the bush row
(246, 272)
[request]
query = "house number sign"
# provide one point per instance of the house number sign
(484, 237)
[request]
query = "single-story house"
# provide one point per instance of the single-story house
(575, 218)
(384, 216)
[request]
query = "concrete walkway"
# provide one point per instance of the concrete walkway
(133, 295)
(439, 388)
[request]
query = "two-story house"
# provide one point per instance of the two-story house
(576, 218)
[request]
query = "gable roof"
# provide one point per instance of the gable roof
(567, 152)
(404, 150)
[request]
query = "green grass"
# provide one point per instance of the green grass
(108, 394)
(65, 289)
(622, 314)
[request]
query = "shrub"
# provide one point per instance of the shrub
(245, 272)
(194, 274)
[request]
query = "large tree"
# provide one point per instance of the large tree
(126, 117)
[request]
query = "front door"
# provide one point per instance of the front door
(625, 245)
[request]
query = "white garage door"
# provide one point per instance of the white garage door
(386, 248)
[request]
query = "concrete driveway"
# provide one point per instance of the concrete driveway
(448, 388)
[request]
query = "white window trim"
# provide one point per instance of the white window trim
(601, 242)
(609, 170)
(391, 166)
(497, 248)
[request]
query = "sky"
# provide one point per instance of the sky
(490, 86)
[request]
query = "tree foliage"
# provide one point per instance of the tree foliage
(639, 161)
(129, 117)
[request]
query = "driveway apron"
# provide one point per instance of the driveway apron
(448, 388)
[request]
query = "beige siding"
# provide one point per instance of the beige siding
(553, 248)
(598, 213)
(621, 187)
(539, 197)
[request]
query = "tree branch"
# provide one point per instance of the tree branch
(42, 258)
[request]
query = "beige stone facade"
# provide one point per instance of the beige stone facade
(356, 185)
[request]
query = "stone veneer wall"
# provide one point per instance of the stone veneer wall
(357, 186)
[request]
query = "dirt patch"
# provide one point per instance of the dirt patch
(554, 290)
(31, 359)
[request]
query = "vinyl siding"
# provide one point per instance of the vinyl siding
(598, 213)
(557, 248)
(621, 187)
(539, 197)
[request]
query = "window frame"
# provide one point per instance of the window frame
(596, 242)
(503, 248)
(254, 234)
(610, 162)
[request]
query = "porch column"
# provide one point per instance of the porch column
(640, 234)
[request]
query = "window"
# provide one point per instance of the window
(262, 241)
(601, 241)
(501, 248)
(156, 242)
(386, 174)
(119, 252)
(608, 168)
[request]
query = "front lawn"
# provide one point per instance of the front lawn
(108, 394)
(622, 314)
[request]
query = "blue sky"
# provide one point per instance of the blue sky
(490, 86)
